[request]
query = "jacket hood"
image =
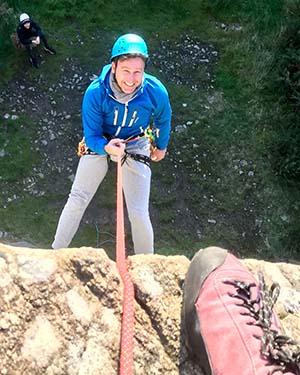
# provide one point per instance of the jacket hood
(105, 73)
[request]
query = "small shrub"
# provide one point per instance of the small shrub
(8, 24)
(286, 154)
(288, 65)
(285, 145)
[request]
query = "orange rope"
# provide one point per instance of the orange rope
(126, 347)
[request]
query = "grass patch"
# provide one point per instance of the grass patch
(17, 159)
(31, 219)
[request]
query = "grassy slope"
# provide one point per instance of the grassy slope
(214, 179)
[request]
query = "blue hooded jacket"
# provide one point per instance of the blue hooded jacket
(103, 115)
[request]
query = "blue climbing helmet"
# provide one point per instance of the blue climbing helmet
(127, 44)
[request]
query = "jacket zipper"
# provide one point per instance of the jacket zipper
(125, 113)
(124, 119)
(133, 117)
(116, 113)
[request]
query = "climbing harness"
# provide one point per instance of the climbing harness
(137, 157)
(147, 133)
(282, 352)
(127, 332)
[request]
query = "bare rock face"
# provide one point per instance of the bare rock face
(60, 311)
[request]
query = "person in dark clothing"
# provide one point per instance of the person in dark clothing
(30, 35)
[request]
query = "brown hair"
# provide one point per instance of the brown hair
(129, 56)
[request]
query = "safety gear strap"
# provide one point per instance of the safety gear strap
(82, 149)
(137, 157)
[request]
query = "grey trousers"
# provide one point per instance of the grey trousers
(136, 178)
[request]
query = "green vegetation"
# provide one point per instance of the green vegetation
(232, 177)
(19, 159)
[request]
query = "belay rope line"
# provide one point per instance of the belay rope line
(127, 332)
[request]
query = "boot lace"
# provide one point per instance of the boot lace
(282, 352)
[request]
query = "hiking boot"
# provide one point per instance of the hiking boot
(230, 324)
(50, 50)
(34, 62)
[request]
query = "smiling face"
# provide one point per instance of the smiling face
(129, 73)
